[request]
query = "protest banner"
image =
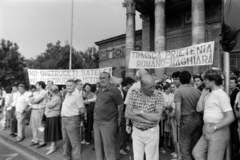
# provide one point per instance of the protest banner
(201, 54)
(59, 77)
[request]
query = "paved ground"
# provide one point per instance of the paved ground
(88, 152)
(7, 153)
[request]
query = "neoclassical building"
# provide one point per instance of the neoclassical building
(166, 24)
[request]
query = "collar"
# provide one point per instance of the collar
(109, 88)
(73, 93)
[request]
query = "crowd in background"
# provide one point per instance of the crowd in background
(184, 113)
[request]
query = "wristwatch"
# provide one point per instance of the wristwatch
(215, 128)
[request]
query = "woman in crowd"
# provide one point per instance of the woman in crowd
(173, 88)
(168, 105)
(3, 112)
(89, 109)
(53, 132)
(174, 125)
(159, 87)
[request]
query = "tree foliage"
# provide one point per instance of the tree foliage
(12, 64)
(56, 56)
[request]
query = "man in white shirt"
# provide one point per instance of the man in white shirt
(72, 107)
(218, 115)
(21, 107)
(13, 105)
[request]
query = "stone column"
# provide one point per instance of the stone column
(130, 34)
(160, 38)
(148, 33)
(198, 25)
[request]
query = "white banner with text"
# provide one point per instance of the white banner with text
(59, 77)
(196, 55)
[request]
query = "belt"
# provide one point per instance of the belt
(37, 108)
(192, 114)
(70, 116)
(144, 129)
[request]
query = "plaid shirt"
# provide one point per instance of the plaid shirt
(149, 106)
(42, 95)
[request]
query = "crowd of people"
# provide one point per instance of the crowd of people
(189, 114)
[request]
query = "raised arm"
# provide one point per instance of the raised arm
(200, 104)
(39, 97)
(53, 102)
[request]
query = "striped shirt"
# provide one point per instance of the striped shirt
(149, 106)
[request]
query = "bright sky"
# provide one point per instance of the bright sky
(34, 23)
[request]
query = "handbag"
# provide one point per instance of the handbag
(44, 118)
(42, 128)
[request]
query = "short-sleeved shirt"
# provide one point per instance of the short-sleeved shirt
(134, 86)
(71, 104)
(216, 103)
(188, 96)
(22, 102)
(15, 97)
(150, 105)
(106, 106)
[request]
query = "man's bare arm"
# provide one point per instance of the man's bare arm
(129, 114)
(153, 116)
(178, 112)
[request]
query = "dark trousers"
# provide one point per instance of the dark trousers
(71, 138)
(89, 127)
(235, 138)
(105, 140)
(124, 136)
(13, 125)
(190, 133)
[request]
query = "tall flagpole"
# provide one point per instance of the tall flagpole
(70, 56)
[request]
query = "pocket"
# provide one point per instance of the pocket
(40, 112)
(77, 120)
(221, 134)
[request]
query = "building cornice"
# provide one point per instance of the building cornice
(122, 36)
